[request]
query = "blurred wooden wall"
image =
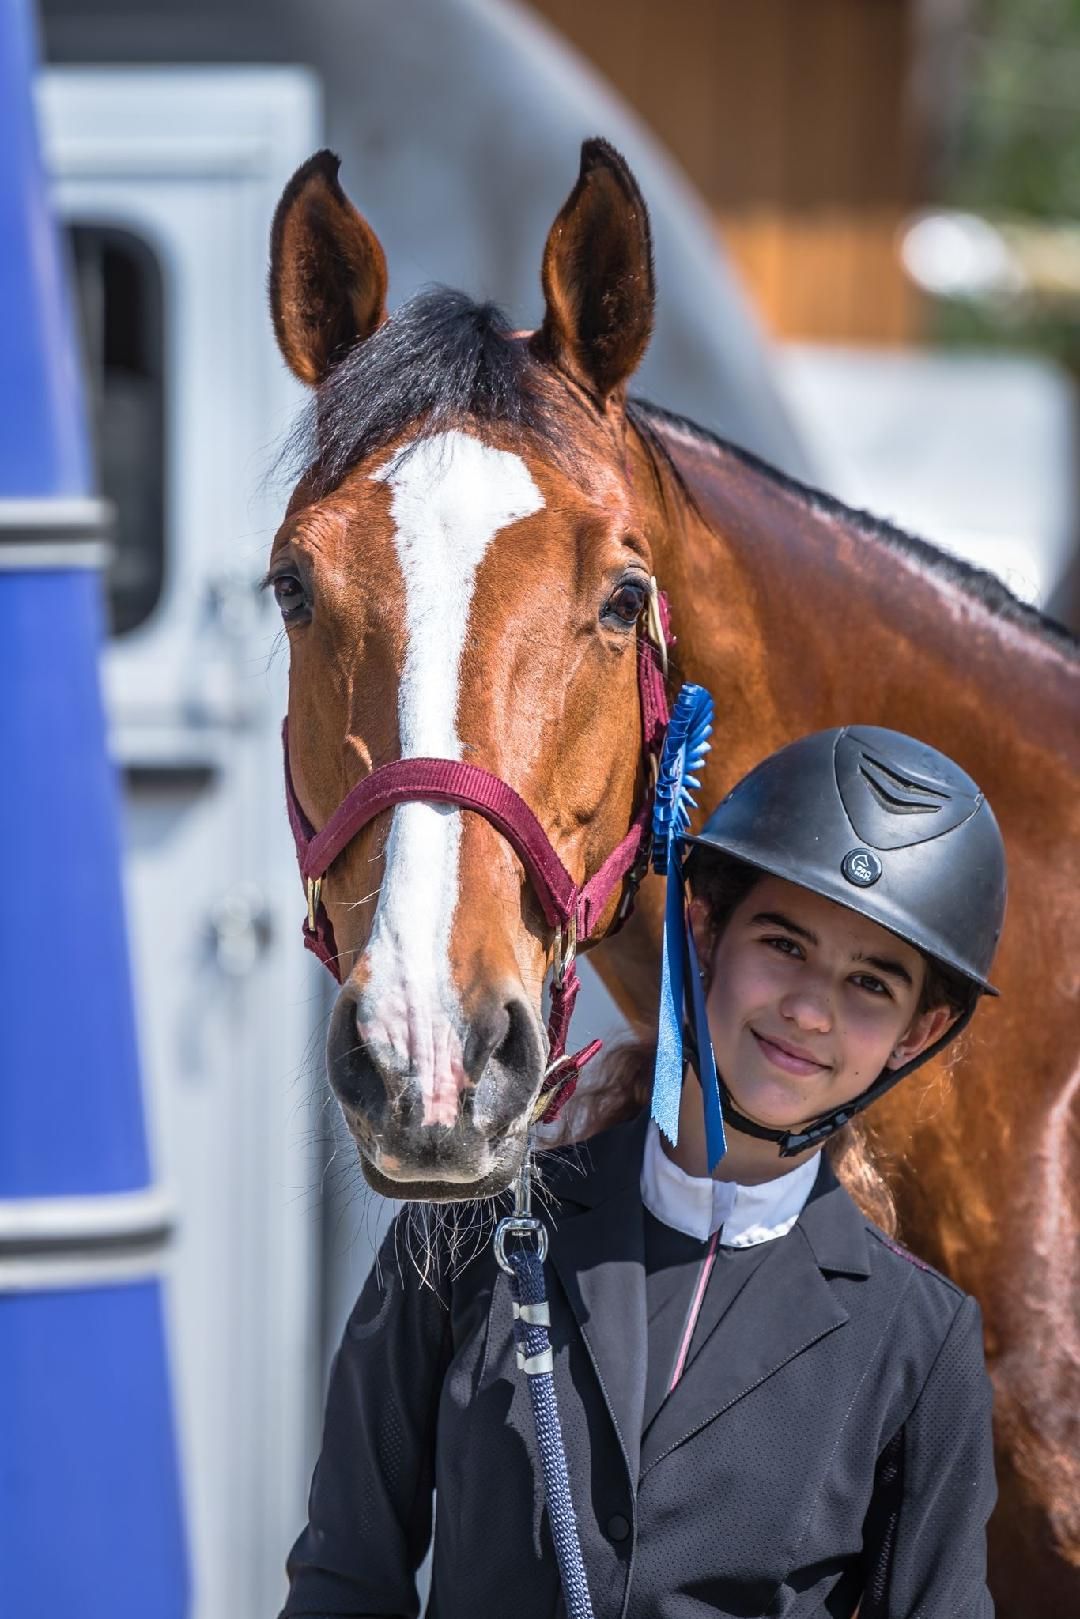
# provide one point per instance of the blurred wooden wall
(793, 120)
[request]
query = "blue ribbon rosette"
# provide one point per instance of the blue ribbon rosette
(685, 747)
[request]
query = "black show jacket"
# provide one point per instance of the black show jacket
(829, 1443)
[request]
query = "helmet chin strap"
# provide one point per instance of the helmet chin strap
(792, 1142)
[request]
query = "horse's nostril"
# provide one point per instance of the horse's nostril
(502, 1038)
(486, 1034)
(349, 1067)
(516, 1051)
(512, 1069)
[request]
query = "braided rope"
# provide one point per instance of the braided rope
(533, 1341)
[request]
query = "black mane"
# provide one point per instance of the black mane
(978, 582)
(443, 360)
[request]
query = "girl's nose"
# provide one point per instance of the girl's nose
(809, 1010)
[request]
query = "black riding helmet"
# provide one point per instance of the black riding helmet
(888, 827)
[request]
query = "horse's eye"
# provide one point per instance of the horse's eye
(624, 605)
(289, 594)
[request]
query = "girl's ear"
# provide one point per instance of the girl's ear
(923, 1030)
(703, 941)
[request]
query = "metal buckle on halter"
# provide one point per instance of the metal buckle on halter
(565, 950)
(654, 624)
(314, 890)
(632, 882)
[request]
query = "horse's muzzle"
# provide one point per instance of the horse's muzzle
(438, 1107)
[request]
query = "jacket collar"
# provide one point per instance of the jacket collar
(587, 1175)
(787, 1305)
(834, 1228)
(596, 1217)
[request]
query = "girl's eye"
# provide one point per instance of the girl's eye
(623, 607)
(786, 946)
(869, 982)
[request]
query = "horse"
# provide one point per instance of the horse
(465, 572)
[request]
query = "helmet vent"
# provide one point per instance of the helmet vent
(898, 794)
(893, 791)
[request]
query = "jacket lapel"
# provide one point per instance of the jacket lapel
(597, 1248)
(785, 1306)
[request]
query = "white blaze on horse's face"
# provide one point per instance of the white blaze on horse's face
(451, 494)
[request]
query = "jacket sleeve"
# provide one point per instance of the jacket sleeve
(925, 1535)
(370, 1507)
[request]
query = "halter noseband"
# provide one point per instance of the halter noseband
(571, 911)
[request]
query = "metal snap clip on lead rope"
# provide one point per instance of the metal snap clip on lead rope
(522, 1223)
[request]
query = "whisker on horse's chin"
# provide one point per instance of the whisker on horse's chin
(441, 1239)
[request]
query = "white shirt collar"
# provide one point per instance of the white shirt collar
(699, 1205)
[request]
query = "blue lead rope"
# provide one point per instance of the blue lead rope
(524, 1264)
(531, 1322)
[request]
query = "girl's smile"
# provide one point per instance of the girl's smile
(786, 1056)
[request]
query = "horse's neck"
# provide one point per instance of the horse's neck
(797, 617)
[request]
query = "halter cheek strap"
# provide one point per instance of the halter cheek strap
(574, 913)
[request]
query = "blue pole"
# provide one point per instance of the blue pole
(90, 1509)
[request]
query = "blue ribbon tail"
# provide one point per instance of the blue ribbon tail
(715, 1139)
(668, 1074)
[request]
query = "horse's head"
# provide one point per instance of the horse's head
(461, 571)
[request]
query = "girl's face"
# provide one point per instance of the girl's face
(808, 1002)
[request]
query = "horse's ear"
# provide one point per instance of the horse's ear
(327, 271)
(598, 276)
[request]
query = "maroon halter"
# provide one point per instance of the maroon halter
(572, 911)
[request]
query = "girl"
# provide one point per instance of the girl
(769, 1407)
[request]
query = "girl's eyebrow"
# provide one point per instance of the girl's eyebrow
(884, 964)
(775, 919)
(894, 969)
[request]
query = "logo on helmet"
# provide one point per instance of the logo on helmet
(861, 867)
